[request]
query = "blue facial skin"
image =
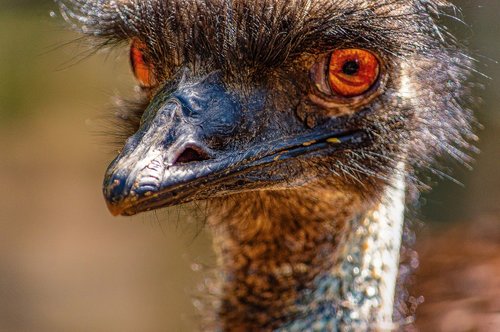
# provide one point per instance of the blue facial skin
(193, 115)
(198, 140)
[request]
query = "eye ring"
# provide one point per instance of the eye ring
(352, 72)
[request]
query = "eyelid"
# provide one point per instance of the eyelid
(318, 74)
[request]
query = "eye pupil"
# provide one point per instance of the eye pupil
(350, 67)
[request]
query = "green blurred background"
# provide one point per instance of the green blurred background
(66, 265)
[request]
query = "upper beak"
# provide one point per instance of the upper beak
(168, 161)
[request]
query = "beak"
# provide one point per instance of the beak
(180, 152)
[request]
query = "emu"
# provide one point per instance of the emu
(304, 125)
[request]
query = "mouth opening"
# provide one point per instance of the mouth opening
(198, 172)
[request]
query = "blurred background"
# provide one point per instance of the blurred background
(67, 265)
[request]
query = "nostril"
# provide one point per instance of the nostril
(191, 154)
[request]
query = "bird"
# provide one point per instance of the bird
(308, 127)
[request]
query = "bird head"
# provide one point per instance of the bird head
(246, 96)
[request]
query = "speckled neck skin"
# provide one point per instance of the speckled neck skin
(289, 265)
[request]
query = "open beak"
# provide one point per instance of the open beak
(172, 159)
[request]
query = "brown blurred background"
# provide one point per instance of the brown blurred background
(66, 265)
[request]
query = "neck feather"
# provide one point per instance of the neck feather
(324, 262)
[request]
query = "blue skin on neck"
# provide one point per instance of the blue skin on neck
(317, 308)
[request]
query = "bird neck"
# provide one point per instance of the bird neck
(294, 264)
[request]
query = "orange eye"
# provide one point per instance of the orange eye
(143, 70)
(352, 72)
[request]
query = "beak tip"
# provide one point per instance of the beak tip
(116, 210)
(114, 188)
